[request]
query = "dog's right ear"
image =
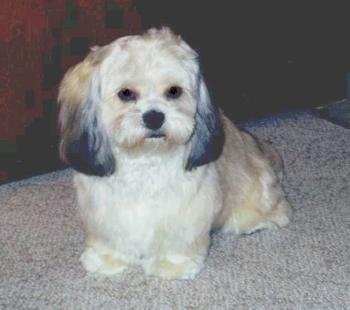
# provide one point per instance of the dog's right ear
(84, 140)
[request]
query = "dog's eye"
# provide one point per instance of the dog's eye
(173, 92)
(127, 94)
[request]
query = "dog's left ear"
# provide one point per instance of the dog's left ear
(208, 137)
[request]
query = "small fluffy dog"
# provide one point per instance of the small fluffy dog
(158, 165)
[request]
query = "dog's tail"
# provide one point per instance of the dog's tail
(272, 156)
(267, 151)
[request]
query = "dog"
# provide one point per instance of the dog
(158, 166)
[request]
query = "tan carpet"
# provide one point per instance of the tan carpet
(304, 266)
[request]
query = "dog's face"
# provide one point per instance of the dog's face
(148, 91)
(139, 91)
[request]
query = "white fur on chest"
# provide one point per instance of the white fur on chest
(150, 202)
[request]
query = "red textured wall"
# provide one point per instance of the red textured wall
(39, 40)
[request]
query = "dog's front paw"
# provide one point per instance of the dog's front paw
(101, 263)
(175, 267)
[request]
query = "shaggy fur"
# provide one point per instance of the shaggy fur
(158, 165)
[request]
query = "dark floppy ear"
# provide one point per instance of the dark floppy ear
(208, 137)
(84, 141)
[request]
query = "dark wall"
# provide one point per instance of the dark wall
(260, 57)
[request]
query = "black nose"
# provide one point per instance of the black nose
(153, 119)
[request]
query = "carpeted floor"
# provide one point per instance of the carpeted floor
(303, 266)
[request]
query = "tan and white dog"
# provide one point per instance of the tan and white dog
(158, 165)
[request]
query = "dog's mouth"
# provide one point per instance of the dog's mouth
(155, 135)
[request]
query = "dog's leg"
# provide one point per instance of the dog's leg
(100, 260)
(182, 265)
(263, 208)
(249, 218)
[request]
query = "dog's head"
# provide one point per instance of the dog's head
(138, 91)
